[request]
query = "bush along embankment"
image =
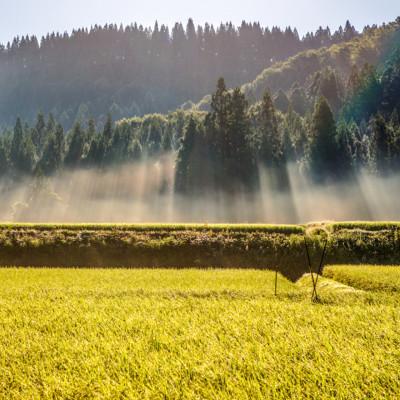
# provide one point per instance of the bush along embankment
(202, 246)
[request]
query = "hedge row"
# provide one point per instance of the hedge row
(182, 246)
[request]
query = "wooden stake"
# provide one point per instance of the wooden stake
(320, 266)
(314, 296)
(309, 267)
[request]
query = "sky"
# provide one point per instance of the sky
(21, 17)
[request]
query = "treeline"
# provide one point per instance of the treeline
(226, 151)
(330, 134)
(307, 68)
(329, 130)
(134, 70)
(45, 149)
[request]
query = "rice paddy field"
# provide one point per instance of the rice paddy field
(372, 278)
(198, 334)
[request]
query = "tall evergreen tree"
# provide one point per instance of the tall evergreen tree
(324, 160)
(381, 142)
(96, 153)
(241, 163)
(353, 83)
(51, 159)
(194, 174)
(216, 125)
(298, 100)
(39, 133)
(60, 140)
(22, 154)
(281, 101)
(91, 131)
(16, 144)
(50, 126)
(75, 149)
(108, 130)
(270, 149)
(4, 166)
(227, 126)
(183, 165)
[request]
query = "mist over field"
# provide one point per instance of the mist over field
(143, 192)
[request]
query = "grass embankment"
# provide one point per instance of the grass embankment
(191, 334)
(180, 246)
(371, 278)
(284, 229)
(164, 246)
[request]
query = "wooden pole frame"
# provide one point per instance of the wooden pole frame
(314, 296)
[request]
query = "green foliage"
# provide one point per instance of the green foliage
(281, 101)
(39, 133)
(295, 137)
(135, 70)
(22, 152)
(381, 143)
(189, 162)
(4, 163)
(341, 57)
(323, 146)
(52, 158)
(74, 153)
(326, 84)
(284, 229)
(356, 129)
(366, 226)
(227, 128)
(367, 99)
(270, 146)
(298, 100)
(180, 245)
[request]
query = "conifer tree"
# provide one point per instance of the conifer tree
(75, 149)
(183, 160)
(39, 133)
(227, 126)
(324, 160)
(298, 100)
(270, 151)
(16, 143)
(50, 161)
(3, 159)
(95, 155)
(281, 101)
(50, 126)
(91, 131)
(353, 83)
(108, 130)
(241, 163)
(135, 151)
(60, 141)
(381, 142)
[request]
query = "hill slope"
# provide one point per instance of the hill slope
(371, 48)
(135, 70)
